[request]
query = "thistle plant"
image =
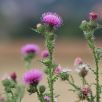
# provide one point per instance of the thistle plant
(89, 28)
(50, 22)
(13, 90)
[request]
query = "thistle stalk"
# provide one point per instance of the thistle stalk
(50, 45)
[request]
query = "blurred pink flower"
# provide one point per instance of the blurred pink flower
(52, 19)
(58, 69)
(33, 76)
(47, 98)
(44, 54)
(78, 61)
(29, 49)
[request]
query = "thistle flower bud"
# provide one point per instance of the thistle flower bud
(64, 76)
(58, 69)
(42, 88)
(44, 54)
(13, 76)
(78, 61)
(93, 16)
(40, 28)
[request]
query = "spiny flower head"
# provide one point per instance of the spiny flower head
(52, 19)
(85, 90)
(30, 49)
(32, 77)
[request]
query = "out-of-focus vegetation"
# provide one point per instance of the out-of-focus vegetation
(17, 17)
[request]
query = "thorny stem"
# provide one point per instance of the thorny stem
(97, 68)
(50, 47)
(40, 95)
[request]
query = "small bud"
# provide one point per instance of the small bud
(47, 98)
(78, 61)
(93, 16)
(64, 76)
(58, 69)
(40, 28)
(46, 61)
(44, 54)
(42, 89)
(39, 25)
(84, 25)
(31, 89)
(13, 76)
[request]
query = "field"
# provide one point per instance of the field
(65, 53)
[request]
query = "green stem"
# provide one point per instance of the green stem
(50, 45)
(97, 77)
(73, 85)
(40, 96)
(97, 69)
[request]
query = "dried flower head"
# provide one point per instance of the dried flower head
(52, 19)
(85, 90)
(32, 77)
(30, 49)
(82, 69)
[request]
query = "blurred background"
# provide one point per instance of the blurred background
(17, 17)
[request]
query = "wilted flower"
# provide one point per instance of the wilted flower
(44, 54)
(47, 98)
(85, 90)
(92, 16)
(78, 61)
(13, 76)
(52, 19)
(29, 49)
(82, 69)
(33, 77)
(58, 69)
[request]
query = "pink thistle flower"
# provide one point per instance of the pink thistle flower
(78, 61)
(86, 90)
(13, 76)
(52, 19)
(58, 69)
(30, 49)
(33, 76)
(92, 16)
(44, 54)
(47, 98)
